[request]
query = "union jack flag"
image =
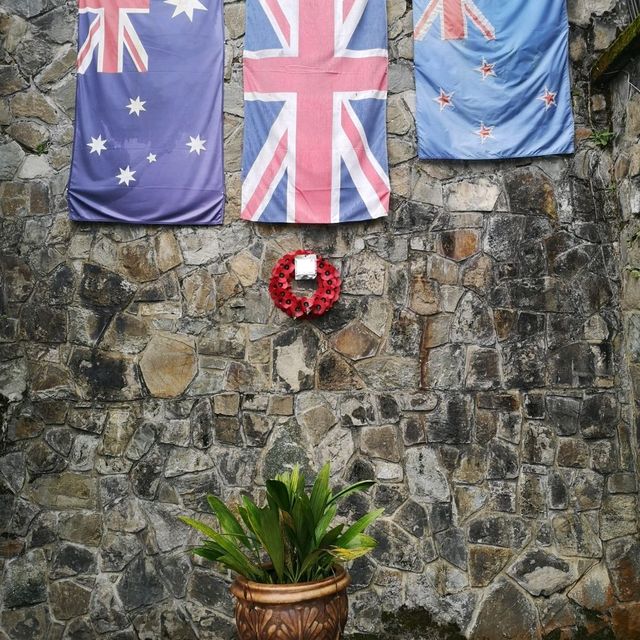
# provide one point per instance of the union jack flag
(315, 80)
(454, 15)
(110, 33)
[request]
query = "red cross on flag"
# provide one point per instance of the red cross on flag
(110, 34)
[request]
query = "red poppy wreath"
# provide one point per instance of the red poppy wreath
(323, 298)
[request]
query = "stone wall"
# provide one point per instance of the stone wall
(623, 93)
(477, 366)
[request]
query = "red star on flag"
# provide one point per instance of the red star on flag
(549, 98)
(484, 132)
(444, 99)
(486, 69)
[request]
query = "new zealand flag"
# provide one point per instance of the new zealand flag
(492, 78)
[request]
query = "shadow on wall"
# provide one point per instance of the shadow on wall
(418, 624)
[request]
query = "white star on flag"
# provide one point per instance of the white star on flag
(97, 145)
(195, 144)
(126, 176)
(136, 106)
(484, 132)
(486, 69)
(186, 6)
(444, 99)
(549, 98)
(151, 158)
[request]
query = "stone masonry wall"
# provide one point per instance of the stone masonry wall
(624, 112)
(477, 366)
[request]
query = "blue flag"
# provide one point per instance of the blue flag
(492, 78)
(148, 131)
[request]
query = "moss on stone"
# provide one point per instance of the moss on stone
(618, 53)
(411, 624)
(606, 633)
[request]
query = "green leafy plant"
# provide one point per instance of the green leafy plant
(292, 538)
(602, 137)
(42, 148)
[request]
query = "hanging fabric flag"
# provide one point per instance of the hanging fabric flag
(492, 78)
(315, 82)
(148, 132)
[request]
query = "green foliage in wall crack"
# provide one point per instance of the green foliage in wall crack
(602, 137)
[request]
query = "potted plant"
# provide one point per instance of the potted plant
(289, 583)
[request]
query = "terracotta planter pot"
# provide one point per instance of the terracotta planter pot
(305, 611)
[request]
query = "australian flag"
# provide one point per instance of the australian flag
(148, 131)
(492, 78)
(315, 82)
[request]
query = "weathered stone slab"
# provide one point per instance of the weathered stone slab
(479, 195)
(168, 365)
(506, 612)
(426, 477)
(542, 573)
(594, 590)
(25, 580)
(64, 491)
(485, 563)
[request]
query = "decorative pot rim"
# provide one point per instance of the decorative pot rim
(262, 593)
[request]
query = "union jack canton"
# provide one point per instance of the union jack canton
(315, 81)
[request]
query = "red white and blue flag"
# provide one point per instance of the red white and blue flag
(492, 78)
(315, 81)
(148, 130)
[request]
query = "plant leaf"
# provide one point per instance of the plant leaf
(325, 521)
(296, 481)
(251, 516)
(228, 522)
(304, 525)
(242, 564)
(358, 527)
(350, 554)
(242, 512)
(204, 529)
(320, 494)
(363, 485)
(361, 540)
(280, 494)
(209, 554)
(331, 536)
(360, 545)
(232, 563)
(271, 537)
(310, 560)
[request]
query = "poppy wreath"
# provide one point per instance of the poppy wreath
(324, 297)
